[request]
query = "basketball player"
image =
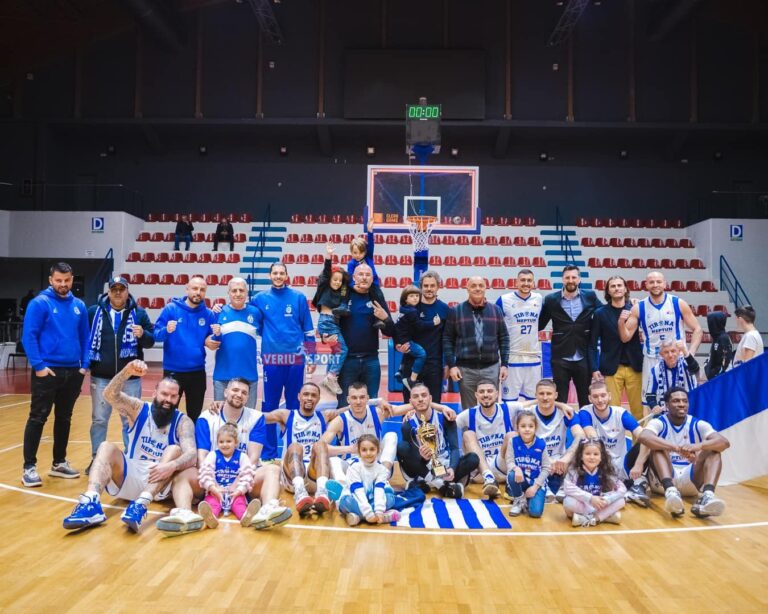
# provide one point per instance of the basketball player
(521, 310)
(553, 426)
(251, 425)
(685, 457)
(660, 316)
(610, 423)
(161, 443)
(306, 465)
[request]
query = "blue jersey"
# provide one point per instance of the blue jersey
(236, 357)
(227, 469)
(528, 457)
(251, 427)
(147, 441)
(591, 483)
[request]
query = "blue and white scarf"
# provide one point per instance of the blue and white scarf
(664, 378)
(129, 346)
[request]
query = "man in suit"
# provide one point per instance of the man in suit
(619, 363)
(570, 311)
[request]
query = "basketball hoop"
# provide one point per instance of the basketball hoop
(420, 227)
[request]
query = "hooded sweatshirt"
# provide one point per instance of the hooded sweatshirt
(56, 331)
(183, 349)
(721, 350)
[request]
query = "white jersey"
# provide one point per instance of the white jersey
(251, 427)
(437, 419)
(660, 323)
(611, 431)
(303, 430)
(147, 441)
(553, 429)
(490, 431)
(522, 319)
(690, 432)
(353, 428)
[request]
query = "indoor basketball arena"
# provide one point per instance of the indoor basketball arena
(380, 305)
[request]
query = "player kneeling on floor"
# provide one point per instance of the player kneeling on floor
(685, 458)
(161, 443)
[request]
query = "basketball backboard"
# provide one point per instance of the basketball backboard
(447, 193)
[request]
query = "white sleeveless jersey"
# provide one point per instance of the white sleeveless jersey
(522, 319)
(251, 427)
(613, 430)
(690, 432)
(554, 432)
(303, 430)
(490, 431)
(147, 441)
(353, 427)
(660, 322)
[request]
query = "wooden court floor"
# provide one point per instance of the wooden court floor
(650, 563)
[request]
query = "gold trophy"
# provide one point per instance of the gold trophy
(426, 434)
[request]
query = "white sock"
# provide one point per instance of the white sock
(91, 495)
(488, 477)
(145, 498)
(322, 481)
(298, 484)
(388, 449)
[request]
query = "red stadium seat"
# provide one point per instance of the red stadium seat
(479, 261)
(623, 263)
(389, 239)
(309, 218)
(182, 279)
(133, 257)
(390, 260)
(643, 242)
(452, 283)
(534, 242)
(623, 222)
(137, 278)
(509, 261)
(302, 259)
(435, 240)
(505, 241)
(519, 242)
(682, 263)
(539, 262)
(451, 261)
(292, 238)
(666, 263)
(305, 238)
(240, 237)
(702, 311)
(143, 236)
(652, 263)
(600, 285)
(609, 222)
(176, 257)
(323, 219)
(218, 258)
(657, 243)
(687, 243)
(233, 258)
(152, 217)
(544, 284)
(477, 240)
(245, 218)
(208, 303)
(652, 223)
(312, 281)
(167, 279)
(170, 237)
(638, 263)
(390, 282)
(148, 257)
(671, 243)
(721, 308)
(465, 261)
(161, 257)
(529, 221)
(199, 237)
(321, 237)
(295, 218)
(489, 221)
(698, 264)
(405, 281)
(157, 303)
(708, 286)
(636, 222)
(693, 286)
(143, 302)
(289, 258)
(524, 262)
(347, 238)
(609, 263)
(494, 261)
(335, 238)
(204, 258)
(615, 242)
(512, 283)
(462, 240)
(297, 281)
(212, 280)
(336, 218)
(587, 242)
(346, 258)
(318, 259)
(601, 242)
(634, 285)
(629, 242)
(392, 305)
(157, 237)
(596, 222)
(190, 257)
(582, 222)
(594, 263)
(502, 221)
(406, 260)
(677, 286)
(497, 283)
(435, 261)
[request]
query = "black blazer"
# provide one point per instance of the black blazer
(568, 336)
(605, 328)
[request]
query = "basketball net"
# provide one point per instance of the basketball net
(420, 227)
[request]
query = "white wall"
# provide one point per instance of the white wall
(67, 234)
(746, 257)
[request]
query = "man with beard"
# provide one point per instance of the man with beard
(661, 316)
(161, 443)
(55, 339)
(251, 427)
(183, 327)
(570, 310)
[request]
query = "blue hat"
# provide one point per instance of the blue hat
(118, 281)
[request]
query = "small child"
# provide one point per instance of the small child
(227, 476)
(362, 253)
(369, 496)
(529, 465)
(407, 326)
(593, 492)
(331, 301)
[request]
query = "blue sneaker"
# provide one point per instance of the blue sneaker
(87, 513)
(334, 489)
(133, 515)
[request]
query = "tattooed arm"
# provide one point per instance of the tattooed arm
(185, 433)
(125, 405)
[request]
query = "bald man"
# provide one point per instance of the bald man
(475, 342)
(660, 316)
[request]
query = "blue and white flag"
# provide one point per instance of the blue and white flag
(454, 514)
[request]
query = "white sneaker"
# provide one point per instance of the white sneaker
(270, 515)
(204, 509)
(581, 520)
(352, 519)
(614, 518)
(674, 502)
(253, 507)
(64, 470)
(708, 505)
(550, 496)
(331, 383)
(518, 506)
(180, 521)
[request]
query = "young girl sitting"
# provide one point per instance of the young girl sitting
(407, 326)
(331, 302)
(362, 253)
(369, 496)
(528, 464)
(227, 475)
(593, 492)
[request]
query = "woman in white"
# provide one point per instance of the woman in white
(751, 343)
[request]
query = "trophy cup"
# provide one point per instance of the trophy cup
(426, 434)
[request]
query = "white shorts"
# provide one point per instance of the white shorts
(498, 466)
(682, 478)
(621, 471)
(648, 364)
(136, 480)
(287, 485)
(521, 381)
